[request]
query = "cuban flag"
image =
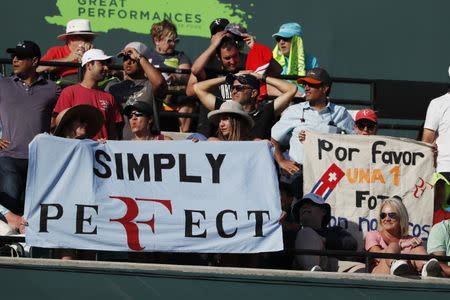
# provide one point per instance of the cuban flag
(328, 181)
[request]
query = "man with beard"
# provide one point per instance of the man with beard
(94, 66)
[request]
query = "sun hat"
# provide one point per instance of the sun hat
(77, 27)
(88, 113)
(230, 107)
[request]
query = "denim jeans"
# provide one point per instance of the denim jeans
(13, 178)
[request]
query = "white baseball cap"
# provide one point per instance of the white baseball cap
(93, 54)
(140, 47)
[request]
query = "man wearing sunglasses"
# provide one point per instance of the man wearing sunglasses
(366, 122)
(142, 82)
(317, 114)
(245, 90)
(26, 103)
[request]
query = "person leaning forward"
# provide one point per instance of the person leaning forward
(317, 114)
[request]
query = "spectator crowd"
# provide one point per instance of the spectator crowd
(234, 85)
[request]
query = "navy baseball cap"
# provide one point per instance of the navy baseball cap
(244, 79)
(27, 49)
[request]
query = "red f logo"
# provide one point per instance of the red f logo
(130, 225)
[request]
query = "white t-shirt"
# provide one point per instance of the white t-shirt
(438, 119)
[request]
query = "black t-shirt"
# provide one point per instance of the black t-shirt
(337, 238)
(263, 115)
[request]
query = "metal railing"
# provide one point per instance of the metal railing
(356, 256)
(370, 103)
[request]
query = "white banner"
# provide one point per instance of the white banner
(175, 196)
(355, 173)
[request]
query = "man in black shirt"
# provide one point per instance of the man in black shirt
(313, 214)
(245, 90)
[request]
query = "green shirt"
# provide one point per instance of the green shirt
(439, 239)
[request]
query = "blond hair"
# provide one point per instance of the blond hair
(401, 211)
(162, 29)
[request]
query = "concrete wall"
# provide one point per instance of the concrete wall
(55, 279)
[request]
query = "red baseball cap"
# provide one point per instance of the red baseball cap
(367, 114)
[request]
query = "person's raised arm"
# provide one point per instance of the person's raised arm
(198, 68)
(155, 77)
(287, 90)
(202, 90)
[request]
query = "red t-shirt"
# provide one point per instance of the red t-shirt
(59, 52)
(440, 215)
(77, 94)
(258, 60)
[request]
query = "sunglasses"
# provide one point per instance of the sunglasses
(363, 125)
(239, 88)
(136, 114)
(392, 215)
(279, 38)
(127, 57)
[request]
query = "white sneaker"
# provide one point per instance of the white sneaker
(316, 268)
(400, 268)
(431, 269)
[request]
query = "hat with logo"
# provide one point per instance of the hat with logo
(236, 29)
(77, 27)
(92, 55)
(230, 107)
(297, 203)
(86, 113)
(140, 47)
(140, 106)
(26, 49)
(366, 114)
(244, 79)
(288, 30)
(316, 76)
(218, 25)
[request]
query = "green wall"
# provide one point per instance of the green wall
(403, 40)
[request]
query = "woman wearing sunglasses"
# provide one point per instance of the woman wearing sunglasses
(140, 117)
(392, 237)
(233, 122)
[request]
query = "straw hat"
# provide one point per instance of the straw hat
(90, 114)
(77, 27)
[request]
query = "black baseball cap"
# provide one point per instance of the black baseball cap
(27, 49)
(244, 79)
(316, 76)
(140, 106)
(218, 25)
